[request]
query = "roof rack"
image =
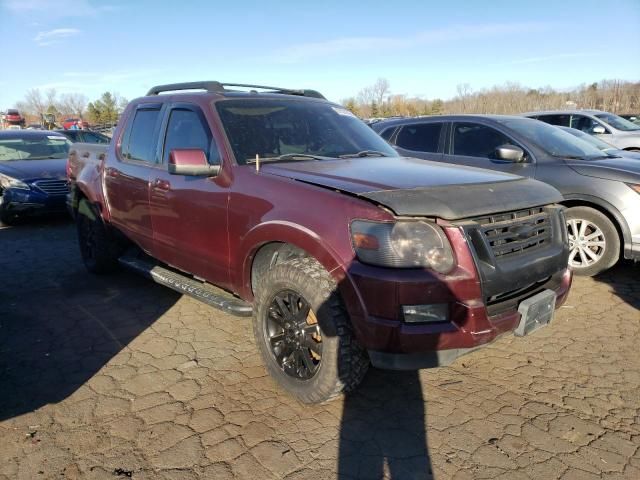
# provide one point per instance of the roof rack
(218, 87)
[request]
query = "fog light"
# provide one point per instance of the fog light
(437, 312)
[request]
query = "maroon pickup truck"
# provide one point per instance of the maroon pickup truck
(280, 205)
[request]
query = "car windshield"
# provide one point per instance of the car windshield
(33, 148)
(552, 140)
(296, 130)
(595, 141)
(618, 122)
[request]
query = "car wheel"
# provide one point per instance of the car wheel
(7, 218)
(98, 250)
(304, 334)
(593, 241)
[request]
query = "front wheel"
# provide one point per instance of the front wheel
(304, 334)
(593, 241)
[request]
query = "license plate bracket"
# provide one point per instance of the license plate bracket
(536, 312)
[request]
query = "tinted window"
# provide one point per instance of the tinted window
(71, 135)
(271, 128)
(91, 137)
(386, 134)
(586, 124)
(560, 120)
(141, 144)
(186, 130)
(420, 138)
(474, 140)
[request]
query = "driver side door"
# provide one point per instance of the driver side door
(189, 213)
(474, 144)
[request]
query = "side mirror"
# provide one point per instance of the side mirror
(191, 161)
(510, 153)
(598, 130)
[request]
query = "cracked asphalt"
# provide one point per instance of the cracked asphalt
(116, 377)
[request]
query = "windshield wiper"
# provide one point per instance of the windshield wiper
(288, 156)
(364, 153)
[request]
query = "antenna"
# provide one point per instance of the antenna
(257, 162)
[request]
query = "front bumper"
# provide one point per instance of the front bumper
(477, 315)
(30, 202)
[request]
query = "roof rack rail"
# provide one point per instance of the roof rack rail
(218, 87)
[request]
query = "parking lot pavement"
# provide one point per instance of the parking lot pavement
(107, 377)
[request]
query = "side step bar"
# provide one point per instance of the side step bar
(216, 297)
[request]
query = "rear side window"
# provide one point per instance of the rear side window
(423, 137)
(560, 120)
(187, 130)
(475, 140)
(140, 144)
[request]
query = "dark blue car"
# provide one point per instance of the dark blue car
(32, 173)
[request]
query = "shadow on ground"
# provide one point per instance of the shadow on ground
(382, 434)
(59, 324)
(623, 279)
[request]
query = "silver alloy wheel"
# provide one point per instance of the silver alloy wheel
(586, 241)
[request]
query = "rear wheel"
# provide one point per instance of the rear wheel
(98, 249)
(593, 241)
(304, 334)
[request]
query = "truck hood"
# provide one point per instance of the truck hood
(410, 186)
(620, 169)
(34, 169)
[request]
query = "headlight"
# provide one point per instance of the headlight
(9, 182)
(404, 244)
(634, 187)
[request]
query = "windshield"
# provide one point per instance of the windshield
(595, 141)
(552, 140)
(33, 148)
(272, 128)
(618, 122)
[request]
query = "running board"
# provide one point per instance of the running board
(213, 296)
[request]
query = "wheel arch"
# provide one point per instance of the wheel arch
(606, 209)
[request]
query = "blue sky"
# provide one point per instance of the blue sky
(423, 48)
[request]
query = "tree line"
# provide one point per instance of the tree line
(377, 100)
(104, 109)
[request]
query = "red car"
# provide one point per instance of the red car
(69, 123)
(13, 117)
(280, 205)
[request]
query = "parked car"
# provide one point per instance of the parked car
(13, 118)
(84, 136)
(601, 191)
(32, 173)
(601, 144)
(300, 215)
(615, 130)
(70, 123)
(635, 118)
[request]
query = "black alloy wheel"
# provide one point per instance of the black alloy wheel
(293, 335)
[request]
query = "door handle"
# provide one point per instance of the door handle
(161, 184)
(112, 172)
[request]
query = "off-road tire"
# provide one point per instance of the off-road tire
(98, 249)
(611, 252)
(344, 362)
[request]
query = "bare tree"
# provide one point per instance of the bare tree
(74, 104)
(34, 103)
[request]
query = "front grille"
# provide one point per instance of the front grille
(53, 187)
(516, 232)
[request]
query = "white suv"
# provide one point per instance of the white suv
(613, 129)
